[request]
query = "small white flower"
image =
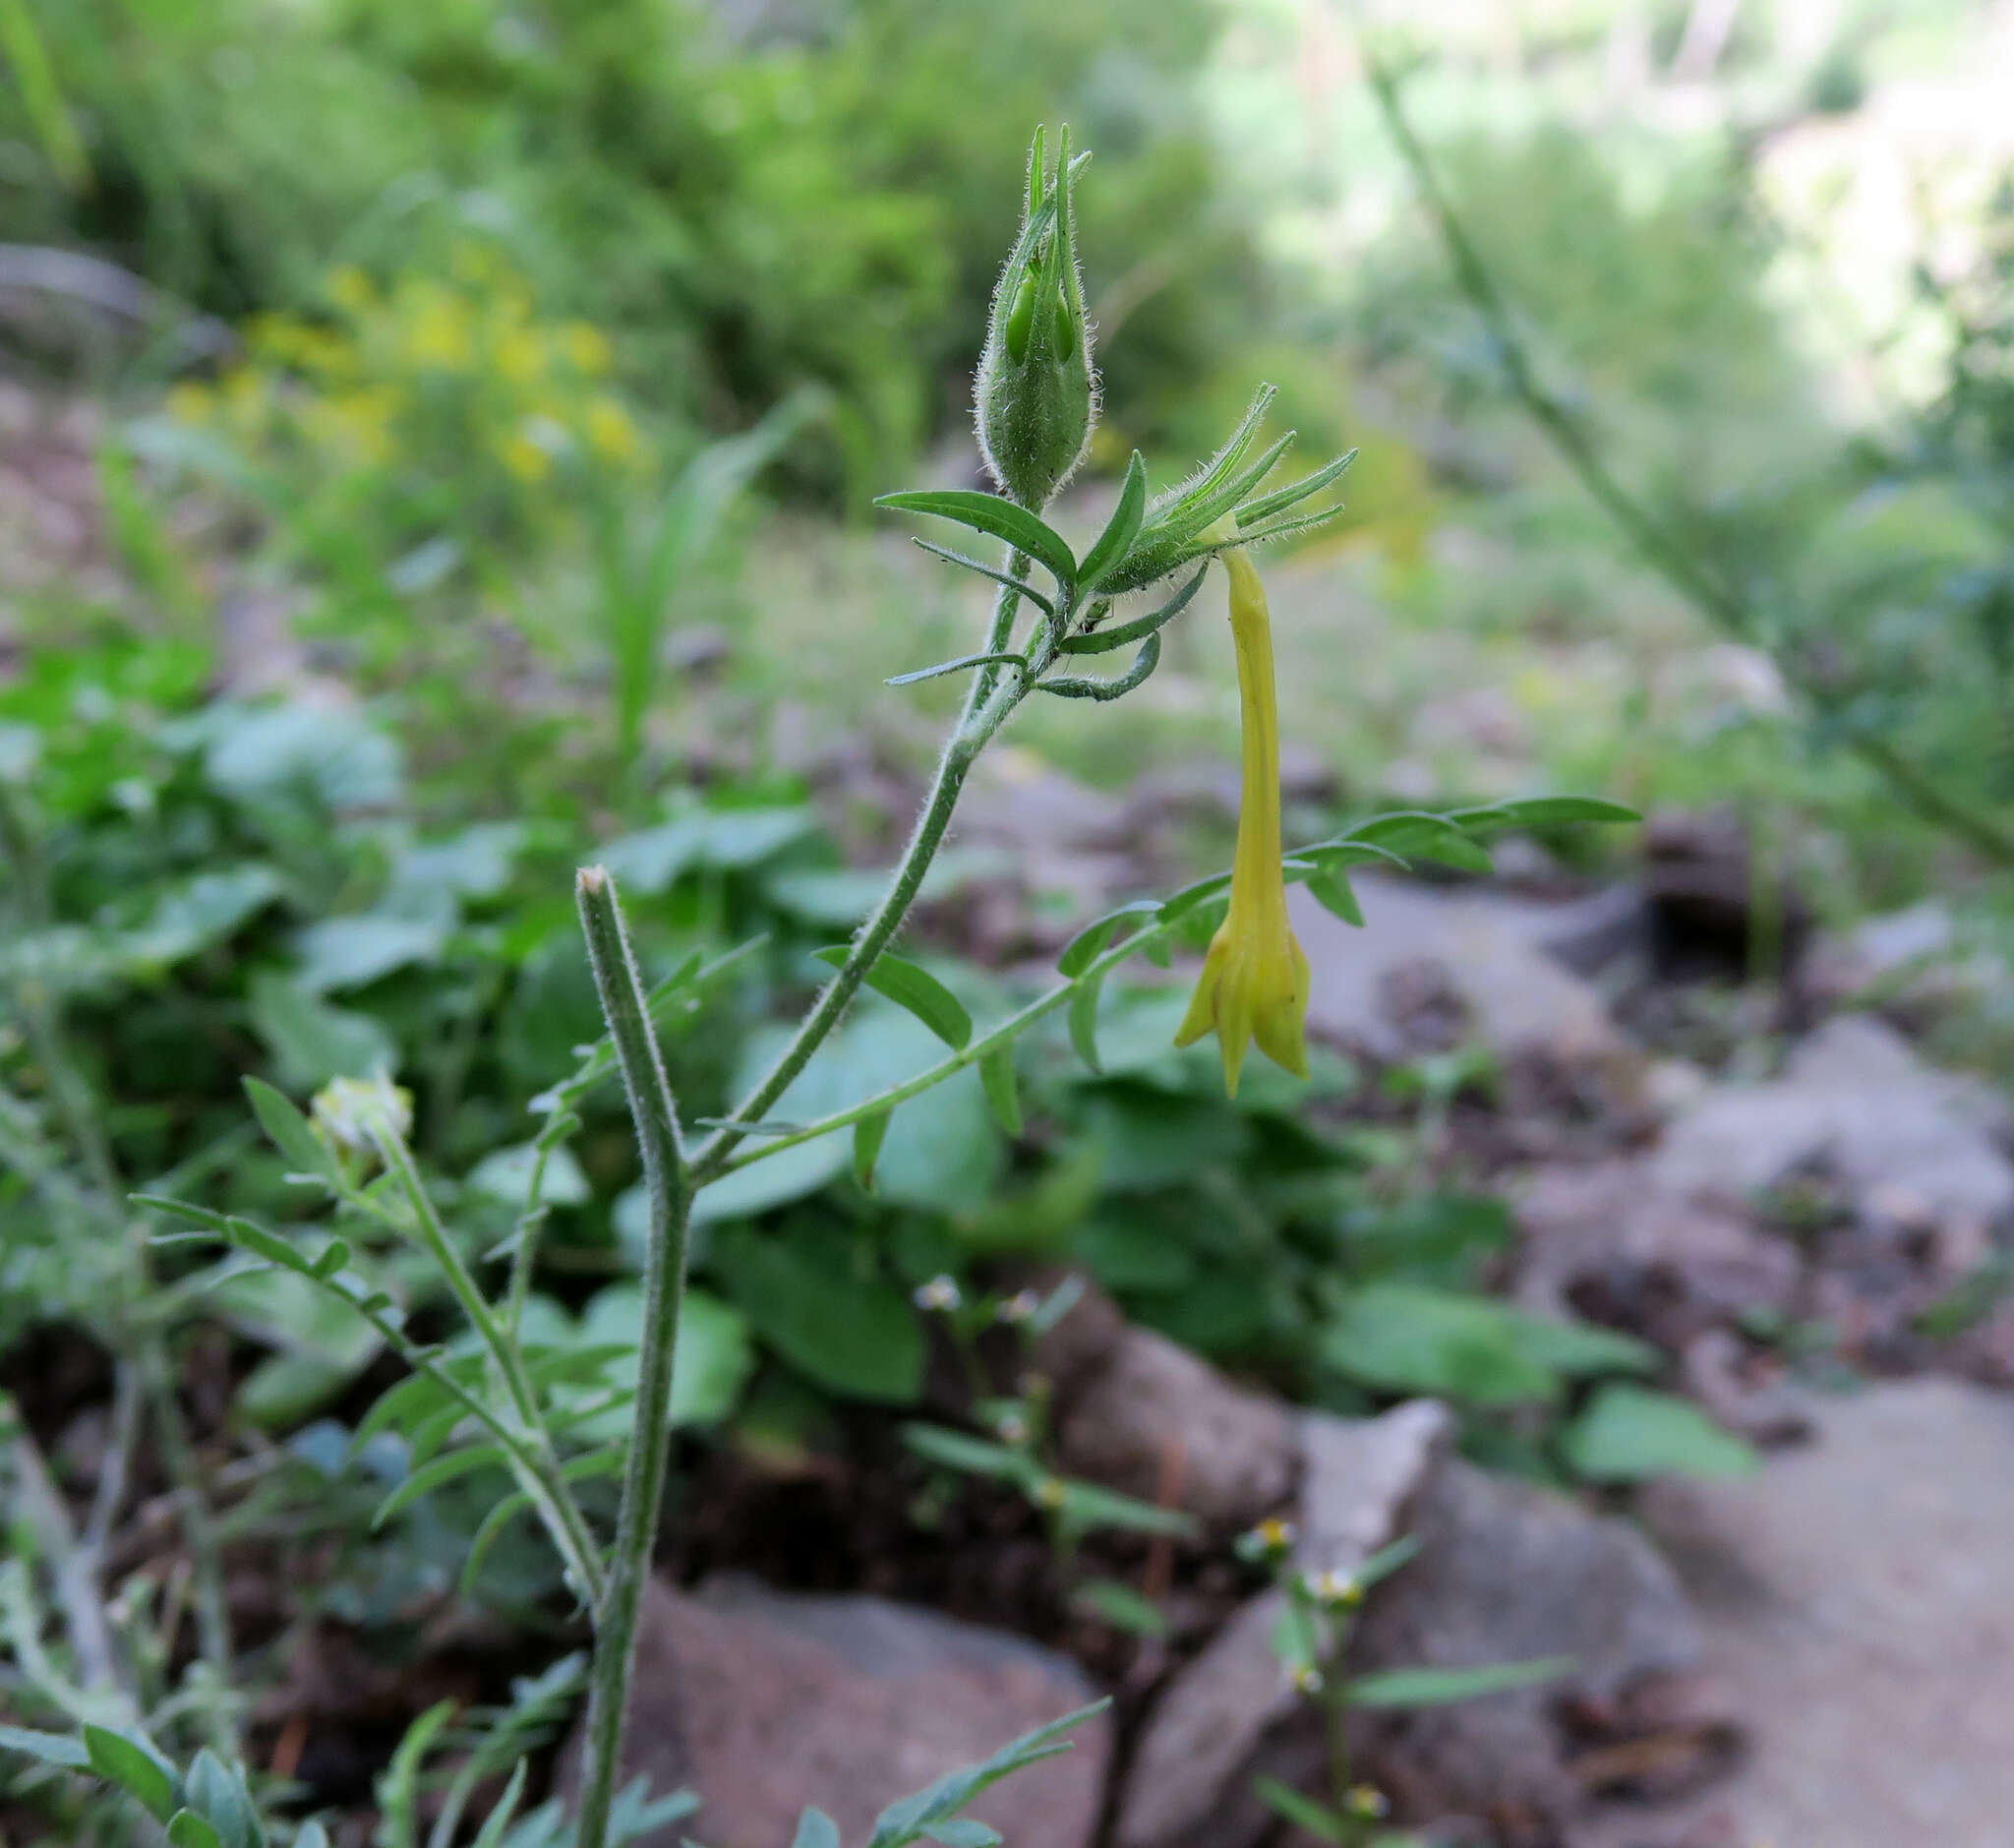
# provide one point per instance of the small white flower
(1019, 1307)
(939, 1295)
(345, 1109)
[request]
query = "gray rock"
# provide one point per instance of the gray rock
(1483, 955)
(1508, 1571)
(1855, 1098)
(1224, 1716)
(1154, 1415)
(1857, 1598)
(765, 1702)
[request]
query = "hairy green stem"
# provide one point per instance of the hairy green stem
(987, 706)
(669, 1183)
(1661, 550)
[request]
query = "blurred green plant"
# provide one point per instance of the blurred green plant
(117, 813)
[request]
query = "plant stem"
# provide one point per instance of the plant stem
(669, 1183)
(987, 706)
(1661, 550)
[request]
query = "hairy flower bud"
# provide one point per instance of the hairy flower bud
(1035, 397)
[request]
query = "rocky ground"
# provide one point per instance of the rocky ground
(1814, 1655)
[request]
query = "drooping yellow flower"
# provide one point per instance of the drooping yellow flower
(1255, 977)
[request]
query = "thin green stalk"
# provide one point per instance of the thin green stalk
(987, 706)
(1660, 549)
(669, 1184)
(931, 1076)
(533, 1452)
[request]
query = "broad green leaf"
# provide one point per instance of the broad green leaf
(334, 754)
(1405, 1338)
(288, 1131)
(869, 1134)
(916, 988)
(851, 1329)
(354, 951)
(1630, 1434)
(1003, 1092)
(1112, 545)
(991, 514)
(134, 1766)
(1441, 1687)
(313, 1042)
(712, 1365)
(505, 1175)
(202, 911)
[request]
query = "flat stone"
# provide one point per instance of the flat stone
(1153, 1416)
(1857, 1598)
(767, 1701)
(1856, 1098)
(1509, 1572)
(1487, 952)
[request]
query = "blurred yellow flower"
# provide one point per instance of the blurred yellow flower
(1255, 977)
(525, 457)
(439, 333)
(519, 353)
(587, 348)
(349, 288)
(610, 433)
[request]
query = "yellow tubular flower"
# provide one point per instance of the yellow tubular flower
(1254, 978)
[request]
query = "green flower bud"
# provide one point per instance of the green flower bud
(1035, 398)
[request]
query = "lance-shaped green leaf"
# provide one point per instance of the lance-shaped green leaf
(1108, 640)
(1121, 529)
(1007, 579)
(915, 988)
(1253, 512)
(134, 1766)
(45, 1748)
(1089, 944)
(442, 1469)
(1087, 686)
(219, 1791)
(869, 1133)
(902, 1822)
(997, 516)
(1334, 893)
(954, 667)
(289, 1132)
(1427, 836)
(1003, 1092)
(1540, 811)
(1440, 1687)
(1083, 1018)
